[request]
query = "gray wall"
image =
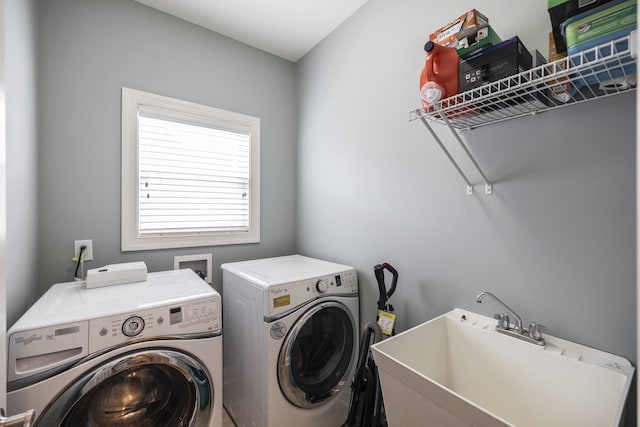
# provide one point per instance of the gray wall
(555, 241)
(22, 155)
(89, 49)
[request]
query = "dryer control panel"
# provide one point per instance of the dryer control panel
(283, 298)
(186, 318)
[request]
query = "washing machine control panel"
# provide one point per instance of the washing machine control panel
(192, 317)
(283, 298)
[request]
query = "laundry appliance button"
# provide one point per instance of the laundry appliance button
(322, 286)
(133, 326)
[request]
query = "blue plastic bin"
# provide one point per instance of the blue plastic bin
(587, 35)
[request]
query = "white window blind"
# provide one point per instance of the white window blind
(190, 174)
(193, 179)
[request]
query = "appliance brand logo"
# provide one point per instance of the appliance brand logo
(28, 340)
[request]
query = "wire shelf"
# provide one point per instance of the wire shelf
(604, 70)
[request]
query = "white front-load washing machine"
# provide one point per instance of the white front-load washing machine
(137, 354)
(291, 340)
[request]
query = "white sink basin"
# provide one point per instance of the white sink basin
(458, 371)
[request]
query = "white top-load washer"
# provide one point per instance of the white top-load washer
(144, 354)
(291, 341)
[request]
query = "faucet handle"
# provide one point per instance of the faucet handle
(535, 330)
(503, 320)
(506, 323)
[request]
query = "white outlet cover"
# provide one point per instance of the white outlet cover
(87, 254)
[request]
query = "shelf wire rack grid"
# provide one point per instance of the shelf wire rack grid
(604, 70)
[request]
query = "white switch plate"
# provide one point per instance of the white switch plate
(87, 254)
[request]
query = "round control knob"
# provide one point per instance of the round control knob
(133, 326)
(103, 332)
(322, 286)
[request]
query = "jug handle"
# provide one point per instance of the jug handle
(429, 47)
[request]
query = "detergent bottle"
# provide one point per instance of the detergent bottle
(439, 77)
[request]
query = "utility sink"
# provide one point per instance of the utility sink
(456, 370)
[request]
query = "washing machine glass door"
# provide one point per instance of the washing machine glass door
(317, 354)
(148, 388)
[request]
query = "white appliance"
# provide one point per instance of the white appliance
(138, 354)
(291, 341)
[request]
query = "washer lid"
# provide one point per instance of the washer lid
(279, 270)
(73, 302)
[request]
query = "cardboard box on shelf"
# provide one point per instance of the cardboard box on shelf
(447, 35)
(517, 102)
(494, 63)
(560, 89)
(473, 39)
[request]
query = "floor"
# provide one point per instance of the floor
(226, 420)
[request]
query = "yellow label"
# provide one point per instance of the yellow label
(386, 321)
(281, 301)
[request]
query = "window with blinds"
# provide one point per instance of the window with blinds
(190, 174)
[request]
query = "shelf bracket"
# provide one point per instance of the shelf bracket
(488, 188)
(449, 156)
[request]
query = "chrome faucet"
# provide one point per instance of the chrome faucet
(518, 319)
(504, 326)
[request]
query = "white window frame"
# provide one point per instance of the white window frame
(132, 240)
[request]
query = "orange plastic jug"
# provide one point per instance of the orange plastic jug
(440, 72)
